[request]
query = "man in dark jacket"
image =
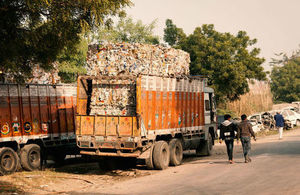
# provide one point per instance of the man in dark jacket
(279, 123)
(227, 133)
(245, 132)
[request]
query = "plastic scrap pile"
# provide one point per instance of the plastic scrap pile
(135, 59)
(113, 99)
(40, 76)
(129, 59)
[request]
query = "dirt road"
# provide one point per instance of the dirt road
(274, 170)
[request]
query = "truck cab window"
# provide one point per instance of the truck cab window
(207, 105)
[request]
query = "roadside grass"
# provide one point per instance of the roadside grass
(264, 133)
(9, 188)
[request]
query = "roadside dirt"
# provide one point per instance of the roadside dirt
(77, 174)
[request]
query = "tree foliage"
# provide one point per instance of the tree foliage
(128, 30)
(285, 78)
(71, 61)
(172, 34)
(35, 32)
(229, 61)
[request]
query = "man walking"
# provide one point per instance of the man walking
(227, 133)
(245, 132)
(279, 123)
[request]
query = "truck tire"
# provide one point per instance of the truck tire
(176, 152)
(9, 161)
(161, 155)
(205, 148)
(149, 160)
(31, 157)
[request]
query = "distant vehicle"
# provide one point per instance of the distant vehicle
(287, 123)
(293, 108)
(292, 116)
(263, 120)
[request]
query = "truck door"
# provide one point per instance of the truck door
(209, 108)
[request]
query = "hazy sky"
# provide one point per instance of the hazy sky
(275, 23)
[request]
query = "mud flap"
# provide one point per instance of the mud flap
(147, 155)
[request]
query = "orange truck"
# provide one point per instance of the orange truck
(36, 121)
(166, 117)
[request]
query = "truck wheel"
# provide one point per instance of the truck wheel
(31, 157)
(8, 161)
(205, 148)
(161, 155)
(176, 152)
(149, 160)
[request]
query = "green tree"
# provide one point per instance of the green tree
(127, 30)
(71, 61)
(229, 61)
(35, 32)
(172, 34)
(285, 78)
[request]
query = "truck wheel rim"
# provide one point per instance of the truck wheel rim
(33, 157)
(7, 162)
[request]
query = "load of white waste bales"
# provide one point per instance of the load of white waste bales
(129, 59)
(135, 59)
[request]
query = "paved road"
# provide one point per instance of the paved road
(275, 170)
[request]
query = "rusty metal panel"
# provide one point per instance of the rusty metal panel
(35, 109)
(15, 122)
(100, 125)
(54, 111)
(125, 126)
(158, 103)
(26, 111)
(62, 114)
(69, 113)
(169, 116)
(202, 116)
(44, 109)
(78, 125)
(111, 126)
(87, 125)
(165, 110)
(144, 112)
(4, 112)
(144, 100)
(150, 104)
(136, 131)
(197, 108)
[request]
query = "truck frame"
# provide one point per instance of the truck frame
(171, 115)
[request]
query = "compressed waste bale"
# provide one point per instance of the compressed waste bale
(134, 59)
(113, 99)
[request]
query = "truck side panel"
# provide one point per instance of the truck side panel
(179, 106)
(32, 110)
